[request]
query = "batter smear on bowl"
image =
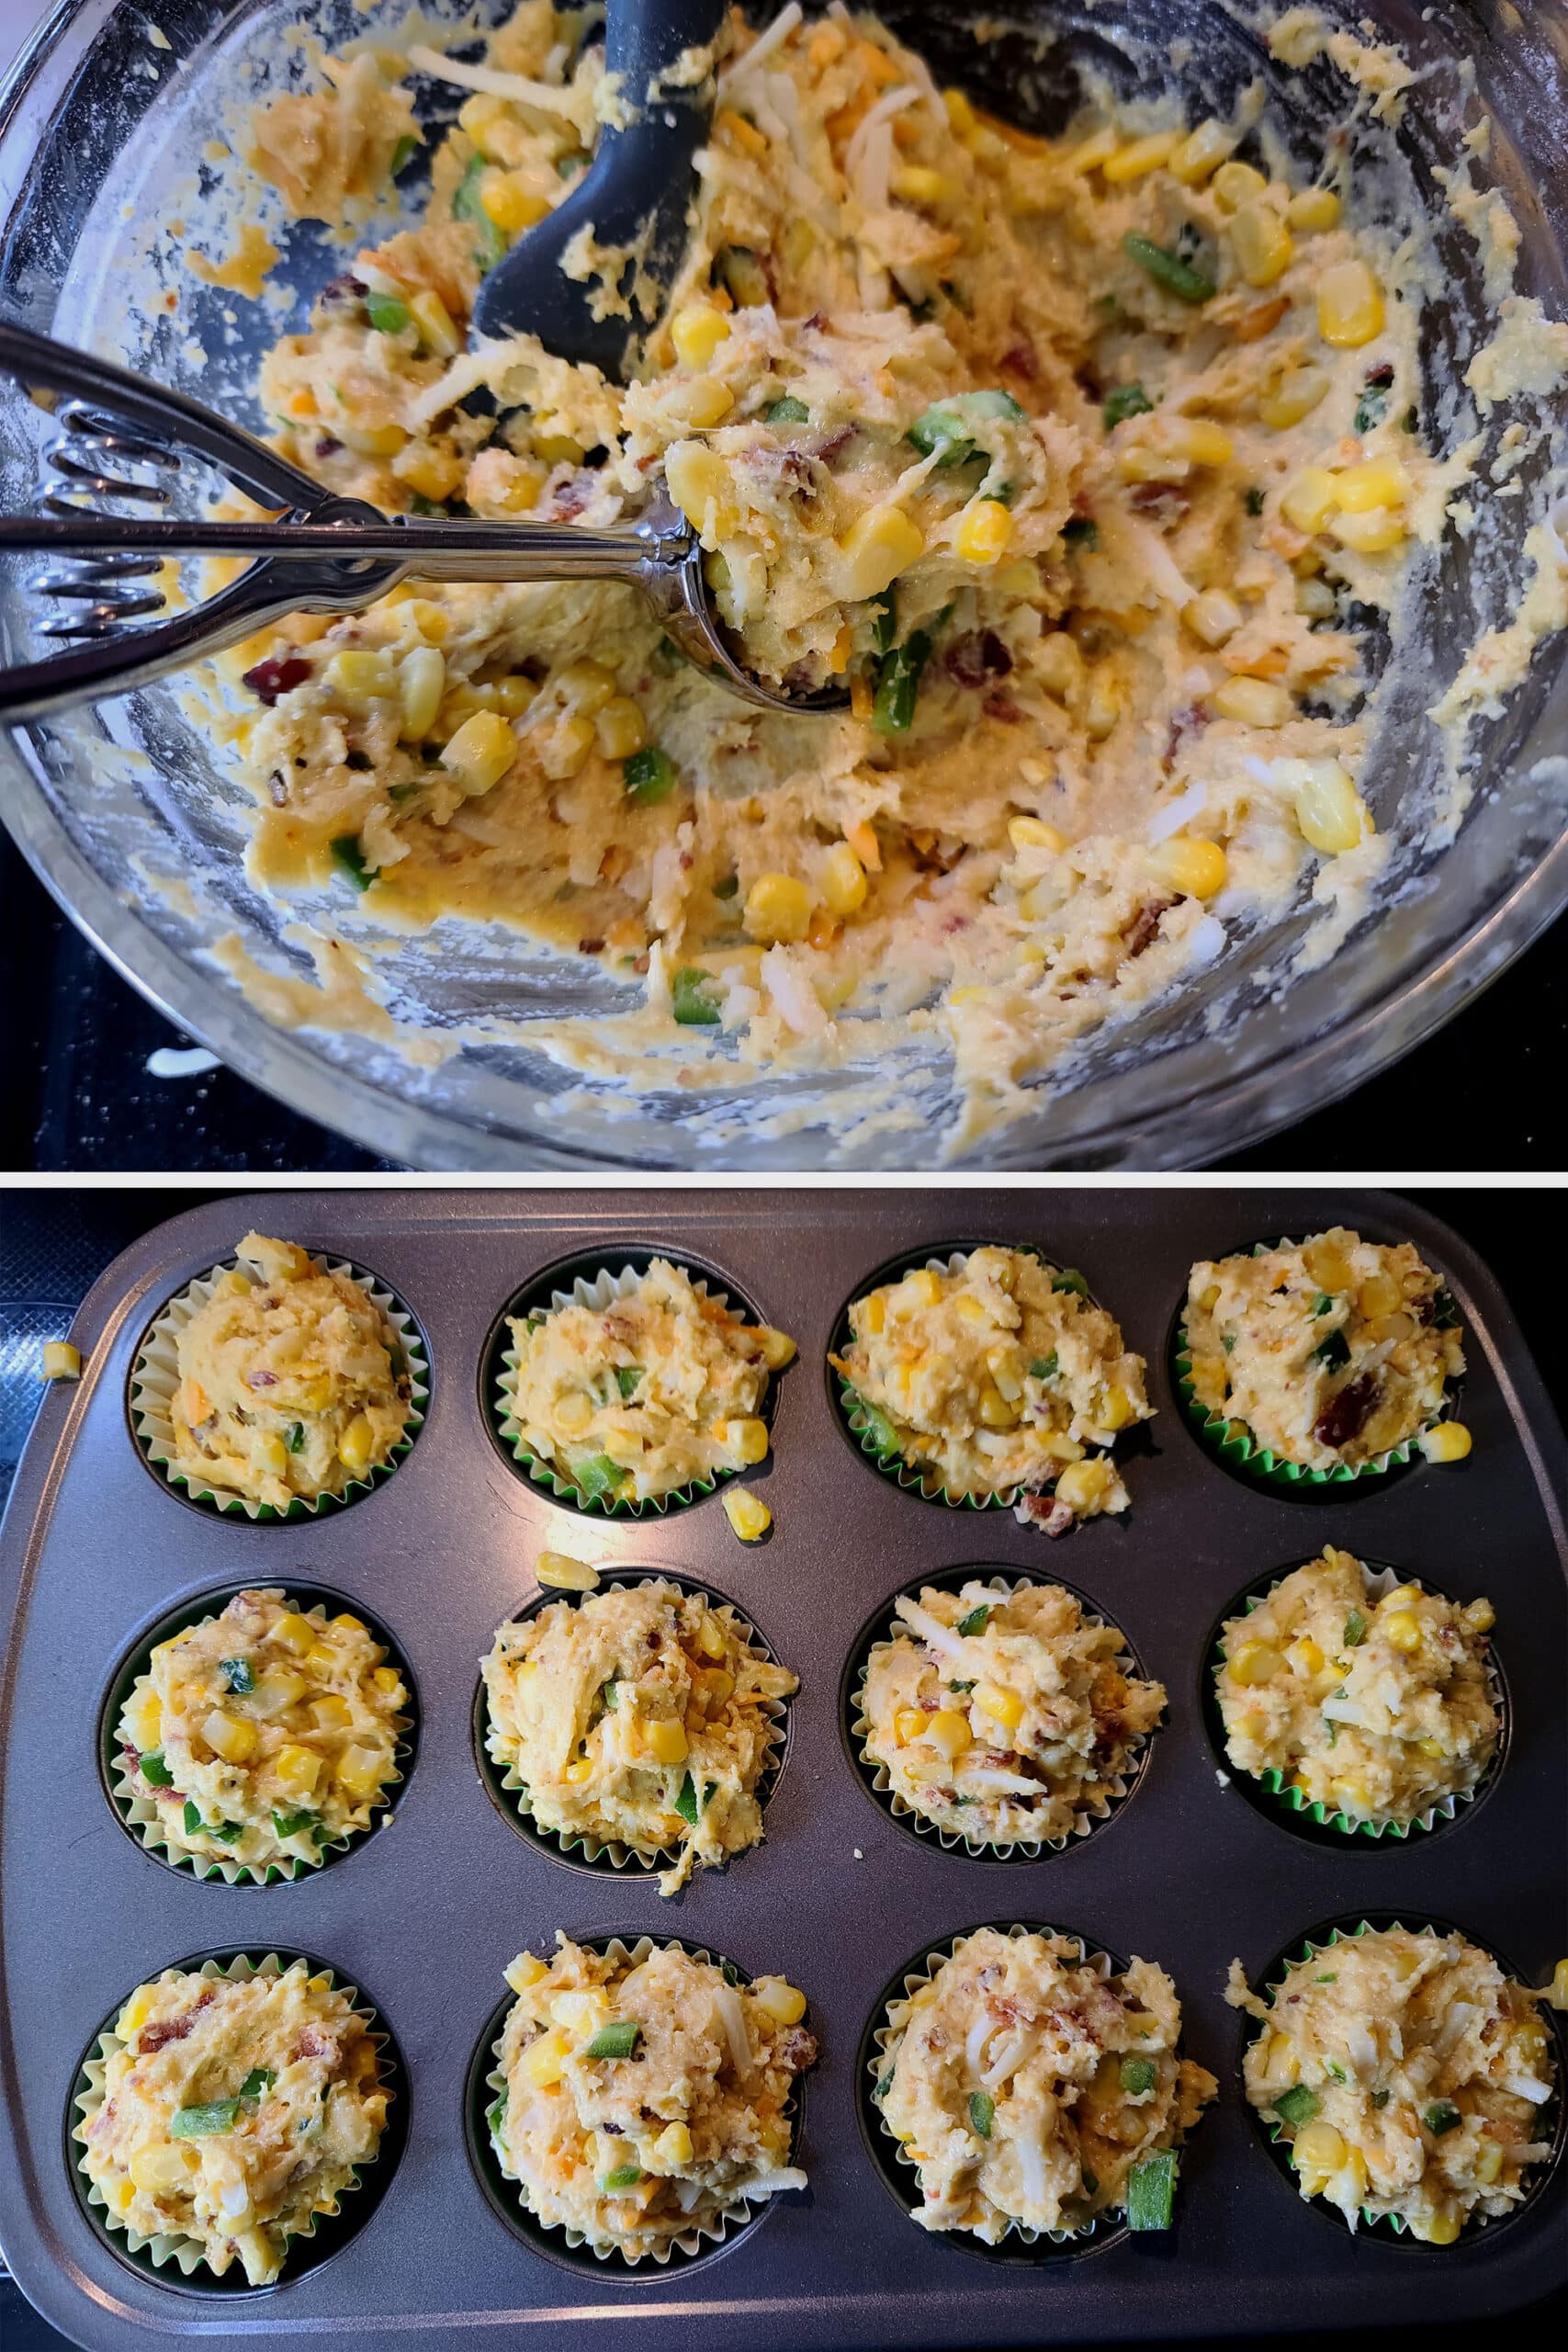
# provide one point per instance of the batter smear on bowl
(1087, 465)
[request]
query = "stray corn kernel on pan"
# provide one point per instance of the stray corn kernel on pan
(816, 1914)
(1106, 470)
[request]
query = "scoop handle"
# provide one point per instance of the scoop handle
(635, 194)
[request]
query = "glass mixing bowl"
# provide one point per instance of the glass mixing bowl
(128, 814)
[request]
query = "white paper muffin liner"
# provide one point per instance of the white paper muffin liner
(188, 2254)
(599, 1293)
(703, 2237)
(889, 2034)
(1098, 1809)
(1380, 1582)
(141, 1814)
(911, 1476)
(155, 1378)
(620, 1853)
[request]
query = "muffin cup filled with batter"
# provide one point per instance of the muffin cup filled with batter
(586, 1843)
(1368, 1616)
(1141, 2200)
(607, 1307)
(1071, 1477)
(365, 1732)
(1234, 1443)
(157, 1380)
(306, 2242)
(1103, 1793)
(1403, 2111)
(714, 2220)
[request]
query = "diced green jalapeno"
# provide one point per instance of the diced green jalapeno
(729, 888)
(495, 2115)
(976, 1621)
(686, 1804)
(1227, 1341)
(1151, 2192)
(230, 1832)
(1336, 2073)
(1323, 1304)
(610, 1696)
(1138, 2075)
(1355, 1630)
(1297, 2106)
(597, 1475)
(616, 2041)
(258, 2082)
(1441, 2117)
(294, 1825)
(1330, 1977)
(466, 205)
(192, 1818)
(388, 314)
(624, 2176)
(948, 424)
(884, 2084)
(1381, 2096)
(629, 1377)
(198, 2122)
(878, 1428)
(789, 411)
(154, 1772)
(238, 1673)
(402, 150)
(1333, 1354)
(1167, 269)
(349, 859)
(885, 623)
(694, 999)
(1252, 498)
(1127, 400)
(649, 775)
(1080, 531)
(1045, 1367)
(1069, 1279)
(982, 2111)
(1091, 2182)
(296, 1437)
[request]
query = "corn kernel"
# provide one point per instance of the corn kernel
(922, 1287)
(1201, 152)
(1091, 152)
(297, 1769)
(702, 486)
(1349, 306)
(1480, 1617)
(985, 531)
(1213, 617)
(843, 879)
(557, 449)
(1004, 1707)
(1377, 481)
(1557, 1996)
(564, 1574)
(61, 1360)
(673, 2146)
(1083, 1486)
(1254, 1662)
(322, 1657)
(777, 908)
(1403, 1629)
(1443, 2227)
(776, 1348)
(360, 1772)
(544, 2061)
(358, 679)
(696, 331)
(908, 1724)
(1102, 709)
(665, 1739)
(1238, 184)
(875, 1312)
(1143, 156)
(1312, 208)
(746, 1514)
(783, 2001)
(1305, 1655)
(562, 749)
(1032, 832)
(270, 1456)
(355, 1445)
(1293, 394)
(332, 1713)
(526, 1970)
(510, 202)
(573, 1412)
(1316, 599)
(876, 548)
(1196, 868)
(156, 2171)
(1309, 499)
(736, 131)
(370, 441)
(1329, 812)
(1058, 665)
(480, 752)
(913, 184)
(230, 1736)
(746, 1440)
(620, 727)
(1256, 702)
(144, 1721)
(1377, 532)
(581, 1768)
(1280, 2060)
(948, 1732)
(1262, 245)
(421, 683)
(388, 1682)
(1448, 1441)
(1488, 2160)
(518, 492)
(296, 1632)
(1318, 2147)
(701, 402)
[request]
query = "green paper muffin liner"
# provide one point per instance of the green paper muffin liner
(601, 1293)
(861, 1418)
(186, 2252)
(618, 1853)
(1101, 2225)
(1234, 1443)
(142, 1819)
(1393, 2224)
(155, 1377)
(1380, 1581)
(699, 2238)
(1098, 1808)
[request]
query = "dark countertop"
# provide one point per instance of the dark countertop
(79, 1096)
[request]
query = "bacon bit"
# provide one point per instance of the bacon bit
(346, 288)
(1347, 1412)
(1020, 357)
(1140, 932)
(279, 675)
(151, 2038)
(640, 963)
(1425, 1309)
(815, 323)
(261, 1378)
(999, 705)
(1161, 500)
(796, 2048)
(278, 789)
(572, 495)
(1190, 719)
(834, 445)
(328, 446)
(1254, 324)
(591, 947)
(312, 2044)
(1045, 1511)
(973, 658)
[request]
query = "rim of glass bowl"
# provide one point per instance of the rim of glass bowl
(1271, 1059)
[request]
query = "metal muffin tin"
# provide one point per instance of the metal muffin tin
(428, 1913)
